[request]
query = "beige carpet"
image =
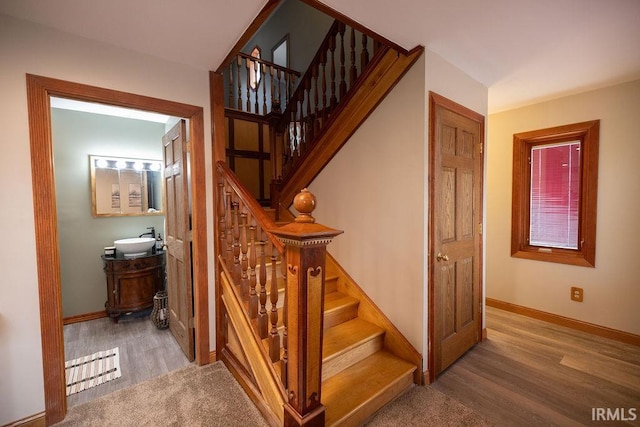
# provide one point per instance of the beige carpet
(424, 406)
(210, 396)
(192, 396)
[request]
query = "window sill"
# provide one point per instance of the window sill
(561, 256)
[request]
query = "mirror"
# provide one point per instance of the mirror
(126, 187)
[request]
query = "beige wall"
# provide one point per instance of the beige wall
(375, 189)
(28, 48)
(612, 288)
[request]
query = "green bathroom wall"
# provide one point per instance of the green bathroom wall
(76, 135)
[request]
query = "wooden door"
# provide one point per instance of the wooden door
(178, 237)
(455, 255)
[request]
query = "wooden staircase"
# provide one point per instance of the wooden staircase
(366, 362)
(359, 375)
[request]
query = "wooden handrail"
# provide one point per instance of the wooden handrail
(384, 70)
(334, 72)
(271, 92)
(269, 64)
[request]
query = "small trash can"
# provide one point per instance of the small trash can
(160, 312)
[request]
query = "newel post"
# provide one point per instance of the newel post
(306, 246)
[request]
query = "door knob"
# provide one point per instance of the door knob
(442, 257)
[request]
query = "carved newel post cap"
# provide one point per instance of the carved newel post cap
(305, 203)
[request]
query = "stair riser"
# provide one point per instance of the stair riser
(340, 315)
(353, 356)
(366, 410)
(330, 284)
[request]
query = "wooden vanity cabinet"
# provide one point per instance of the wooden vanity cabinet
(132, 283)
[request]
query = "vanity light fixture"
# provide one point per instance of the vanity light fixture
(102, 163)
(155, 166)
(138, 166)
(121, 164)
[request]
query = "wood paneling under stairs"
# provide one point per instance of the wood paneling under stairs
(530, 372)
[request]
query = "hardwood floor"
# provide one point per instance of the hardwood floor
(145, 351)
(531, 372)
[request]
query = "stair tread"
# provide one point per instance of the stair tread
(335, 300)
(349, 390)
(343, 337)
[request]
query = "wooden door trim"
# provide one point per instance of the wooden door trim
(436, 101)
(46, 234)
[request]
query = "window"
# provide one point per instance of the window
(254, 69)
(555, 178)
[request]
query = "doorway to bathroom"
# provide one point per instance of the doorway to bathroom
(108, 164)
(39, 91)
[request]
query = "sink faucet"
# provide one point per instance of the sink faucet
(151, 233)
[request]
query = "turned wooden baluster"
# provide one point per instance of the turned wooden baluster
(332, 100)
(274, 337)
(316, 95)
(229, 218)
(306, 258)
(286, 149)
(294, 136)
(238, 65)
(231, 85)
(292, 85)
(308, 116)
(353, 71)
(285, 343)
(291, 131)
(275, 100)
(314, 117)
(321, 120)
(343, 72)
(248, 74)
(264, 88)
(253, 295)
(364, 54)
(263, 318)
(298, 130)
(222, 221)
(236, 271)
(256, 79)
(244, 260)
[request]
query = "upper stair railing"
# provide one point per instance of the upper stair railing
(256, 86)
(342, 58)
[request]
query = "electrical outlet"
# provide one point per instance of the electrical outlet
(576, 294)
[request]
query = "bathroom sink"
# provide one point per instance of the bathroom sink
(134, 246)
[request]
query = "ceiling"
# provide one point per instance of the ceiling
(524, 51)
